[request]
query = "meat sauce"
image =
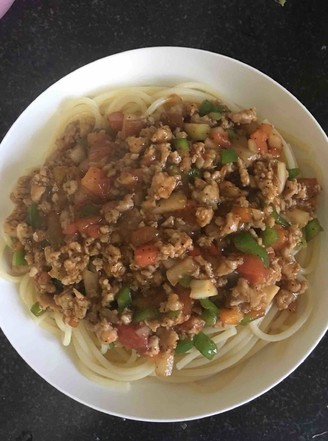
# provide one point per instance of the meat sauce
(154, 228)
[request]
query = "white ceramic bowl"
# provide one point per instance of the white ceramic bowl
(24, 145)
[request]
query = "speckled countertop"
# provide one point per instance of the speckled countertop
(43, 40)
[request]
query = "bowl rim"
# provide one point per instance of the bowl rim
(174, 48)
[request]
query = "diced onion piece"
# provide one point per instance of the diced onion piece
(177, 201)
(282, 174)
(90, 281)
(252, 146)
(186, 267)
(36, 192)
(274, 141)
(77, 154)
(202, 289)
(299, 217)
(269, 292)
(197, 132)
(241, 146)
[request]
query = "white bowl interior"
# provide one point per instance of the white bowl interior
(24, 146)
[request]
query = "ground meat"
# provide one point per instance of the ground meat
(23, 233)
(247, 298)
(73, 304)
(153, 346)
(204, 216)
(165, 150)
(67, 264)
(105, 332)
(207, 194)
(243, 172)
(228, 190)
(136, 144)
(162, 186)
(22, 190)
(228, 265)
(244, 116)
(167, 339)
(291, 189)
(113, 264)
(197, 151)
(40, 182)
(172, 304)
(70, 187)
(192, 326)
(266, 180)
(284, 298)
(228, 225)
(178, 243)
(162, 134)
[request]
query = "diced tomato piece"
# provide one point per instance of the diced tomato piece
(174, 117)
(188, 214)
(253, 269)
(134, 337)
(266, 128)
(115, 120)
(130, 220)
(173, 101)
(87, 225)
(282, 238)
(131, 178)
(185, 299)
(194, 324)
(292, 306)
(83, 197)
(255, 313)
(42, 278)
(230, 316)
(220, 137)
(97, 138)
(244, 213)
(312, 186)
(196, 251)
(260, 138)
(212, 250)
(143, 235)
(73, 322)
(93, 231)
(153, 300)
(145, 255)
(132, 125)
(84, 165)
(96, 181)
(86, 222)
(98, 153)
(275, 152)
(71, 229)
